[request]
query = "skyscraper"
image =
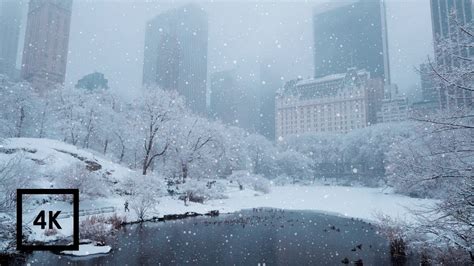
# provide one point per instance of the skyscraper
(234, 101)
(225, 97)
(46, 42)
(10, 20)
(351, 34)
(448, 18)
(270, 83)
(176, 54)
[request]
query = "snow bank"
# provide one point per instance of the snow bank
(52, 155)
(87, 250)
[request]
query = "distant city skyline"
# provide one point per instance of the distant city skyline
(241, 35)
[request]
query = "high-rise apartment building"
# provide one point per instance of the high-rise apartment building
(46, 43)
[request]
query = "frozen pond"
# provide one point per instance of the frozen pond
(269, 236)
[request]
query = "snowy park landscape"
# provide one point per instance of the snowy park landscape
(236, 132)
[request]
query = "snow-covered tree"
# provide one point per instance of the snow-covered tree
(260, 155)
(294, 165)
(439, 160)
(195, 147)
(154, 111)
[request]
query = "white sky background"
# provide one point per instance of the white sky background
(108, 36)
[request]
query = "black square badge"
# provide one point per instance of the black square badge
(47, 219)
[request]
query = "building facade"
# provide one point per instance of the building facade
(351, 34)
(46, 43)
(175, 54)
(395, 109)
(337, 103)
(10, 21)
(448, 18)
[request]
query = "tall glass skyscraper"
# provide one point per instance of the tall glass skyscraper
(176, 54)
(451, 45)
(351, 34)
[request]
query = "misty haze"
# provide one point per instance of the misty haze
(236, 132)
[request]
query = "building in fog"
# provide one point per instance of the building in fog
(175, 55)
(351, 34)
(448, 16)
(430, 98)
(270, 83)
(224, 98)
(46, 42)
(337, 103)
(233, 101)
(393, 110)
(10, 21)
(93, 81)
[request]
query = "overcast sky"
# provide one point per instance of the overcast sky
(108, 36)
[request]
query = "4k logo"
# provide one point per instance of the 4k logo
(44, 220)
(40, 220)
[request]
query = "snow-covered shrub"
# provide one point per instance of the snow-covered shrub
(94, 227)
(202, 190)
(117, 221)
(282, 180)
(15, 172)
(247, 180)
(397, 234)
(89, 183)
(50, 232)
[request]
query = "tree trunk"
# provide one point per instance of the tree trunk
(184, 171)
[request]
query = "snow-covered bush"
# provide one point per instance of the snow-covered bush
(89, 183)
(201, 191)
(95, 227)
(15, 172)
(247, 180)
(282, 180)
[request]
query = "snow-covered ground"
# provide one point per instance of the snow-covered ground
(357, 202)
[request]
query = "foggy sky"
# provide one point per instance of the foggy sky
(108, 36)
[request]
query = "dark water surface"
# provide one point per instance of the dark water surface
(273, 237)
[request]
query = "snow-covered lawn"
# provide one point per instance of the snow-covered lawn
(357, 202)
(48, 156)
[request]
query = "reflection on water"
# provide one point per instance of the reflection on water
(274, 237)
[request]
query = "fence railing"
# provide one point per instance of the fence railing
(64, 215)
